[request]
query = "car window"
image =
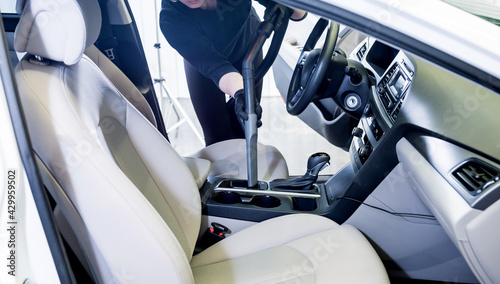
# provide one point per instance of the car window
(8, 6)
(486, 9)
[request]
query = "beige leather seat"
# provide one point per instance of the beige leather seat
(130, 199)
(224, 159)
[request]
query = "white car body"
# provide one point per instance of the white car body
(437, 24)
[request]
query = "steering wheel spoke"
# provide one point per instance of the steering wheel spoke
(303, 58)
(297, 96)
(311, 68)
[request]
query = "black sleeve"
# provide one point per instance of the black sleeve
(264, 2)
(193, 46)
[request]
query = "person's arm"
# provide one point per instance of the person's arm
(298, 15)
(230, 83)
(199, 51)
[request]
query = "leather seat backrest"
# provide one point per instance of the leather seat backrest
(93, 20)
(120, 80)
(130, 197)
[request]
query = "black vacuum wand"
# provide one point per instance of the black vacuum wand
(275, 19)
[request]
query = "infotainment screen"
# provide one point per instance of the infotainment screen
(394, 85)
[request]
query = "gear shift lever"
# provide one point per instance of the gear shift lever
(315, 164)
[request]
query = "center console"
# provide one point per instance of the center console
(233, 199)
(393, 77)
(268, 199)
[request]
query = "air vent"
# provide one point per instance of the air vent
(361, 52)
(395, 113)
(476, 176)
(396, 110)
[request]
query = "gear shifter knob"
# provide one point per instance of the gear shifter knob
(317, 162)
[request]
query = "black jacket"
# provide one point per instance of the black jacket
(214, 42)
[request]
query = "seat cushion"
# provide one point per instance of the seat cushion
(229, 160)
(300, 248)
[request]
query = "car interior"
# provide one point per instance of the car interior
(417, 203)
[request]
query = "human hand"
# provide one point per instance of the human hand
(240, 109)
(298, 15)
(277, 12)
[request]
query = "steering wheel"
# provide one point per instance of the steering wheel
(311, 67)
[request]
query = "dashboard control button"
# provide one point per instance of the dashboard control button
(364, 152)
(354, 75)
(357, 132)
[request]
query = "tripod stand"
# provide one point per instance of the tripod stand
(175, 105)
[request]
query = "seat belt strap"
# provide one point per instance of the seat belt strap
(107, 42)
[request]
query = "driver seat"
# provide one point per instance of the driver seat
(225, 159)
(130, 199)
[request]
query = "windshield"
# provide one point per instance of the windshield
(486, 9)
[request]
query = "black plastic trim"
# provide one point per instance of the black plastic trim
(249, 211)
(10, 21)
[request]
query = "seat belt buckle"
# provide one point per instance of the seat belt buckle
(108, 47)
(219, 230)
(214, 234)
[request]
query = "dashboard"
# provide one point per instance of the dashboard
(441, 128)
(431, 110)
(393, 75)
(391, 72)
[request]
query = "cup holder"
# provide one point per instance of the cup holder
(226, 197)
(304, 204)
(265, 201)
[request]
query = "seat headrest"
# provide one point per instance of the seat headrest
(93, 20)
(57, 30)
